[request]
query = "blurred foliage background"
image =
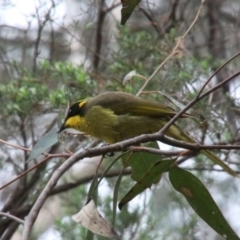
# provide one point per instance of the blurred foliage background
(62, 51)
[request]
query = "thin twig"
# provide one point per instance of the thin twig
(197, 99)
(151, 20)
(16, 146)
(180, 39)
(12, 217)
(82, 42)
(207, 169)
(215, 72)
(33, 167)
(41, 26)
(219, 85)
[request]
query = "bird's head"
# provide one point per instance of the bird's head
(74, 116)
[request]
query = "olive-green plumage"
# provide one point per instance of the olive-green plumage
(117, 116)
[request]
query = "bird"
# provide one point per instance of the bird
(117, 116)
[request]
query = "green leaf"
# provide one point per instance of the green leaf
(127, 9)
(151, 177)
(47, 141)
(201, 201)
(141, 162)
(115, 197)
(93, 186)
(90, 235)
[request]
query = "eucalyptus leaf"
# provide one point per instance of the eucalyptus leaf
(141, 162)
(44, 143)
(152, 176)
(127, 9)
(201, 201)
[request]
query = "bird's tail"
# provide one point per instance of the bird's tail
(175, 132)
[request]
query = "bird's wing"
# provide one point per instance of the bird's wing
(124, 103)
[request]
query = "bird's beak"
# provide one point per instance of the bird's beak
(61, 128)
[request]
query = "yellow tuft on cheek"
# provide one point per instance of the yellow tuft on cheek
(82, 103)
(76, 122)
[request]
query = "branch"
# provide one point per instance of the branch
(10, 231)
(156, 151)
(151, 20)
(98, 38)
(69, 186)
(12, 217)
